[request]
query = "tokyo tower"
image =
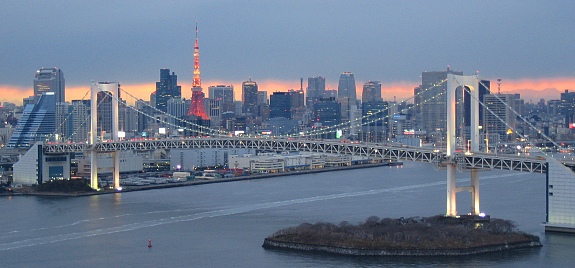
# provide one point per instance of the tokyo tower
(197, 106)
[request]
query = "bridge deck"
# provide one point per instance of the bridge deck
(373, 150)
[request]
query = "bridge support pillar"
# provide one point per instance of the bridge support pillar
(451, 190)
(475, 192)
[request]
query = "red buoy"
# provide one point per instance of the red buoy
(149, 243)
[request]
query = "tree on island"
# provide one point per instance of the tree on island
(437, 232)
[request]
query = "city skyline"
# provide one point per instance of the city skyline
(526, 45)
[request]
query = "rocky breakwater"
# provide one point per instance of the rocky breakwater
(417, 236)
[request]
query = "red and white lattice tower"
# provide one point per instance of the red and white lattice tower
(197, 106)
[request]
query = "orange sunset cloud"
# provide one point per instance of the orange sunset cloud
(530, 89)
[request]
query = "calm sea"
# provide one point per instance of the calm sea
(223, 225)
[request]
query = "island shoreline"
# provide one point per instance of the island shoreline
(274, 244)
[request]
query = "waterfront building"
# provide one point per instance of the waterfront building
(35, 167)
(50, 80)
(249, 96)
(346, 86)
(189, 159)
(130, 161)
(167, 88)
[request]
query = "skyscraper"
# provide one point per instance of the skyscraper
(371, 92)
(315, 90)
(249, 96)
(167, 89)
(50, 80)
(80, 120)
(432, 103)
(499, 107)
(37, 123)
(281, 105)
(225, 95)
(346, 86)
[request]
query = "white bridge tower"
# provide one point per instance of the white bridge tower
(113, 89)
(453, 83)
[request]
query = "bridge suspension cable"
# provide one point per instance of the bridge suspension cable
(58, 129)
(360, 120)
(210, 130)
(201, 129)
(508, 107)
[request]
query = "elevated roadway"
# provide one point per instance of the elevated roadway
(373, 150)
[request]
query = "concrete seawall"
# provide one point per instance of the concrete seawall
(201, 181)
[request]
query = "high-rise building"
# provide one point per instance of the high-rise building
(484, 88)
(81, 120)
(64, 127)
(371, 92)
(374, 121)
(567, 107)
(431, 101)
(346, 86)
(315, 90)
(327, 112)
(50, 80)
(177, 109)
(498, 117)
(225, 95)
(104, 101)
(263, 98)
(249, 96)
(167, 89)
(315, 87)
(38, 122)
(280, 105)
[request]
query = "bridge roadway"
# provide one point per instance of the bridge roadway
(373, 150)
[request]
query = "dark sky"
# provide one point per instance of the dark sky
(390, 41)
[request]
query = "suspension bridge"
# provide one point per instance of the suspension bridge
(560, 179)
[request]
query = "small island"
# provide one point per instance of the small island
(417, 236)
